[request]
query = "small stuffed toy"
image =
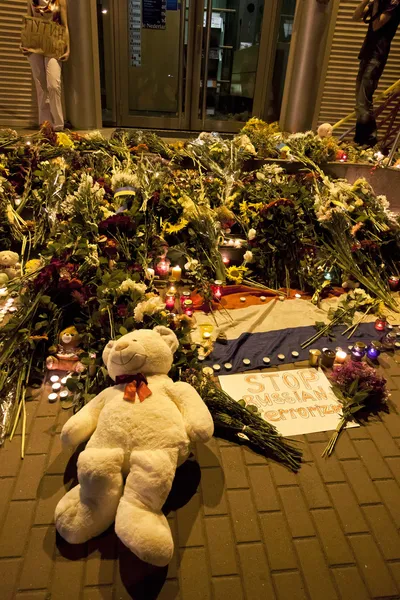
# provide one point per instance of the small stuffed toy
(9, 264)
(325, 130)
(66, 354)
(141, 429)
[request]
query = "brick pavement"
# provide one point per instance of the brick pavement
(248, 530)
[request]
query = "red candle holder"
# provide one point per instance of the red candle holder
(188, 308)
(162, 267)
(226, 260)
(380, 324)
(170, 302)
(185, 296)
(394, 283)
(217, 289)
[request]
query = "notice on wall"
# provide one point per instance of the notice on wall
(135, 33)
(154, 14)
(296, 402)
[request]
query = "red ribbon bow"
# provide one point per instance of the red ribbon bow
(135, 384)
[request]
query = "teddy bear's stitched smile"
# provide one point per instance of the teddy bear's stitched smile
(123, 363)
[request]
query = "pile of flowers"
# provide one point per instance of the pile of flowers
(93, 221)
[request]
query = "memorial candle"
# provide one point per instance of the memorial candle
(162, 267)
(374, 350)
(170, 302)
(380, 324)
(358, 351)
(340, 357)
(394, 282)
(217, 289)
(176, 273)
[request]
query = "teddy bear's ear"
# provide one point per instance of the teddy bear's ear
(106, 351)
(168, 336)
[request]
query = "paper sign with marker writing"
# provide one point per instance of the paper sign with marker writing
(296, 402)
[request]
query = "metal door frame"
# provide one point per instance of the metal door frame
(189, 119)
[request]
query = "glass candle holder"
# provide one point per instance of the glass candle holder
(170, 302)
(217, 289)
(340, 356)
(389, 340)
(184, 296)
(394, 282)
(358, 351)
(328, 358)
(380, 324)
(374, 349)
(314, 356)
(162, 267)
(226, 260)
(188, 308)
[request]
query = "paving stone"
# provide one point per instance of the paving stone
(6, 486)
(395, 571)
(244, 516)
(265, 496)
(100, 563)
(383, 440)
(31, 408)
(174, 563)
(392, 423)
(296, 512)
(190, 530)
(252, 458)
(221, 546)
(256, 576)
(38, 559)
(289, 585)
(41, 435)
(234, 468)
(344, 447)
(318, 436)
(282, 476)
(10, 462)
(313, 487)
(51, 490)
(316, 573)
(278, 542)
(383, 530)
(208, 454)
(67, 578)
(101, 593)
(194, 575)
(58, 458)
(390, 494)
(8, 577)
(350, 583)
(38, 595)
(334, 543)
(212, 490)
(359, 433)
(169, 591)
(46, 408)
(29, 477)
(16, 528)
(394, 465)
(360, 481)
(372, 566)
(62, 418)
(374, 462)
(227, 587)
(349, 512)
(330, 468)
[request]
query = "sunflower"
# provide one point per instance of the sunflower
(181, 224)
(236, 274)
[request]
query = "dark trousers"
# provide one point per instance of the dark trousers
(368, 77)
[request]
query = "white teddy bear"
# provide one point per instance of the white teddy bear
(140, 428)
(9, 264)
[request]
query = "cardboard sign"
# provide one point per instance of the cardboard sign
(296, 402)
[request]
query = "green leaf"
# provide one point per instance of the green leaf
(72, 384)
(123, 331)
(45, 299)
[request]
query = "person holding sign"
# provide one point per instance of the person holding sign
(45, 42)
(382, 17)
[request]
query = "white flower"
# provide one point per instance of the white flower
(192, 265)
(148, 307)
(252, 234)
(248, 256)
(129, 286)
(260, 176)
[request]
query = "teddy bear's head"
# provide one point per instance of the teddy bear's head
(147, 351)
(8, 258)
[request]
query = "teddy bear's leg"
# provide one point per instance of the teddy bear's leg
(89, 508)
(140, 523)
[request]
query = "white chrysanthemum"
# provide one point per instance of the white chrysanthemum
(123, 179)
(150, 306)
(128, 286)
(248, 256)
(252, 234)
(192, 265)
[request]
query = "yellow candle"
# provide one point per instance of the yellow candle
(176, 273)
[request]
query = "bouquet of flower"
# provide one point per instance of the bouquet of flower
(361, 392)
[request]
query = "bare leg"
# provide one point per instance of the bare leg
(53, 76)
(39, 76)
(139, 523)
(89, 508)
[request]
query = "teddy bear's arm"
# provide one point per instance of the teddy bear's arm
(80, 426)
(196, 416)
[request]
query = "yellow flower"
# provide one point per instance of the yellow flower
(64, 140)
(181, 224)
(236, 274)
(32, 265)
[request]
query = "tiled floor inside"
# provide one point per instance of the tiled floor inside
(244, 527)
